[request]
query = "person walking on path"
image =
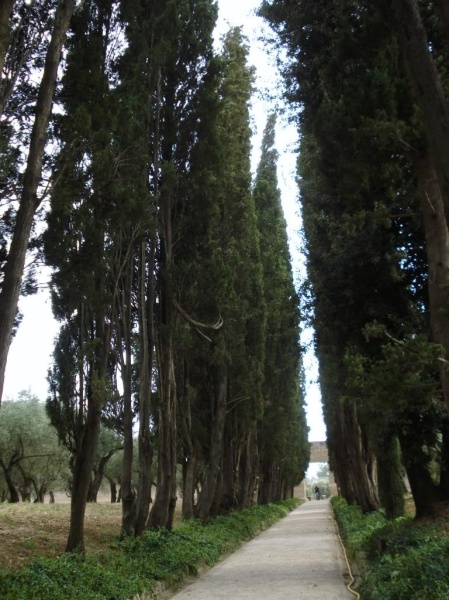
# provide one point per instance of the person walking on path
(299, 557)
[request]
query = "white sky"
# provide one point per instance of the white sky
(30, 353)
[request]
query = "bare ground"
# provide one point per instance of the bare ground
(28, 531)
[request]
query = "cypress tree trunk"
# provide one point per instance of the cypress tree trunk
(128, 442)
(82, 472)
(437, 250)
(428, 91)
(389, 473)
(443, 488)
(246, 471)
(162, 511)
(349, 461)
(216, 444)
(189, 486)
(423, 489)
(29, 201)
(266, 482)
(6, 7)
(146, 362)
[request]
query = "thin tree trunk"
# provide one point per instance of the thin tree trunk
(437, 250)
(113, 489)
(146, 363)
(216, 443)
(189, 486)
(125, 329)
(29, 201)
(95, 484)
(443, 487)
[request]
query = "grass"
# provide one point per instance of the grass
(116, 570)
(404, 559)
(31, 530)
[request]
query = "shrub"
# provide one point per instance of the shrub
(406, 559)
(135, 565)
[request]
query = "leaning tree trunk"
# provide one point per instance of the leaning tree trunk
(14, 496)
(95, 483)
(29, 200)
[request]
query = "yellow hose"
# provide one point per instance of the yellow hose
(349, 586)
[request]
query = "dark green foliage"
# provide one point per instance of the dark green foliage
(136, 564)
(360, 141)
(405, 559)
(282, 429)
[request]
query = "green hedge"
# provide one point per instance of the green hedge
(136, 564)
(406, 559)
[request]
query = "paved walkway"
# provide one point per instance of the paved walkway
(298, 558)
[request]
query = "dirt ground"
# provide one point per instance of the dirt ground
(31, 530)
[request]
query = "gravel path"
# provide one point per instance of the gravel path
(299, 558)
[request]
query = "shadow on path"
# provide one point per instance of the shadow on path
(298, 558)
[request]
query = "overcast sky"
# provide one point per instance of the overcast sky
(29, 356)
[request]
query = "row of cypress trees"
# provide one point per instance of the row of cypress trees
(171, 274)
(374, 200)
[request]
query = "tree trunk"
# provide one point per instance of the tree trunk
(29, 201)
(95, 483)
(124, 334)
(6, 7)
(349, 461)
(389, 473)
(265, 495)
(246, 471)
(189, 487)
(162, 511)
(427, 89)
(437, 250)
(424, 491)
(443, 487)
(216, 443)
(146, 305)
(13, 492)
(113, 488)
(82, 472)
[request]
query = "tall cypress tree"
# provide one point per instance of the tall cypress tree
(83, 225)
(232, 262)
(282, 432)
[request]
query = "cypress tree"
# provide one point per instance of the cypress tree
(282, 431)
